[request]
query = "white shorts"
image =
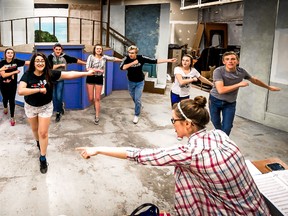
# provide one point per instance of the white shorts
(44, 111)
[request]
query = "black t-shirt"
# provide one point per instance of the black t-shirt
(135, 73)
(34, 81)
(12, 66)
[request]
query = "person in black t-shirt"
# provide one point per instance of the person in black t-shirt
(133, 63)
(58, 61)
(8, 81)
(36, 85)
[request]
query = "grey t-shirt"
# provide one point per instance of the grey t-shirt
(228, 78)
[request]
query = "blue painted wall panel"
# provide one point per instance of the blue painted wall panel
(120, 81)
(74, 96)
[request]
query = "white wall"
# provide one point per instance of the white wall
(117, 22)
(162, 48)
(11, 9)
(279, 68)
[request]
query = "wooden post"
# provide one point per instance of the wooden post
(80, 30)
(26, 30)
(67, 21)
(12, 33)
(54, 25)
(108, 23)
(101, 22)
(93, 30)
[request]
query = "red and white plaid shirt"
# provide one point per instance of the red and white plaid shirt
(211, 176)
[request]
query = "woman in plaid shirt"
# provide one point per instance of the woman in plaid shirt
(211, 177)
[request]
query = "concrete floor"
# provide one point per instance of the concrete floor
(105, 186)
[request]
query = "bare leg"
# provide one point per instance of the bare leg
(34, 126)
(98, 91)
(90, 91)
(43, 130)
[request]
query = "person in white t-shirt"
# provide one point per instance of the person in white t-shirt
(185, 74)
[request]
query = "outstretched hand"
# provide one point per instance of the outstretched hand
(274, 88)
(87, 152)
(173, 60)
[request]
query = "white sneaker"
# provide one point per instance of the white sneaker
(136, 119)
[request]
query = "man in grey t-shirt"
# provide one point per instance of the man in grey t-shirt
(227, 81)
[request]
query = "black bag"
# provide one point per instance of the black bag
(153, 210)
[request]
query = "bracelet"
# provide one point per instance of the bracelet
(39, 90)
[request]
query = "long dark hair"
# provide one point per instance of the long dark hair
(46, 70)
(6, 50)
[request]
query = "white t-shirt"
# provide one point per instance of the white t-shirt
(184, 90)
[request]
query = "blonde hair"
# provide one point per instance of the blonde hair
(133, 47)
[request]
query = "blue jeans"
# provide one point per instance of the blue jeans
(135, 90)
(228, 110)
(58, 95)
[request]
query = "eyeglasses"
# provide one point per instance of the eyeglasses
(131, 53)
(39, 61)
(174, 120)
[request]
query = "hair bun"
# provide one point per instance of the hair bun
(200, 101)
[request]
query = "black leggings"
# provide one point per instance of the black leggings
(8, 91)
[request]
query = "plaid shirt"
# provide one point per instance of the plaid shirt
(211, 176)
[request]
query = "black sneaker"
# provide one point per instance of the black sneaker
(96, 121)
(43, 166)
(58, 117)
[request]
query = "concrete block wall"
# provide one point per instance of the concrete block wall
(12, 9)
(260, 17)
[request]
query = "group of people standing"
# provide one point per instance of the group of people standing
(42, 86)
(211, 177)
(227, 80)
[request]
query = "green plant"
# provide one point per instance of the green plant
(44, 36)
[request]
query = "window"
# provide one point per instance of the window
(47, 12)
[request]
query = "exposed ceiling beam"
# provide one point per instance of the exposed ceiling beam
(199, 5)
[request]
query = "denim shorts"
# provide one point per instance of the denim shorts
(44, 111)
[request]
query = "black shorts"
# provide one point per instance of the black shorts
(95, 80)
